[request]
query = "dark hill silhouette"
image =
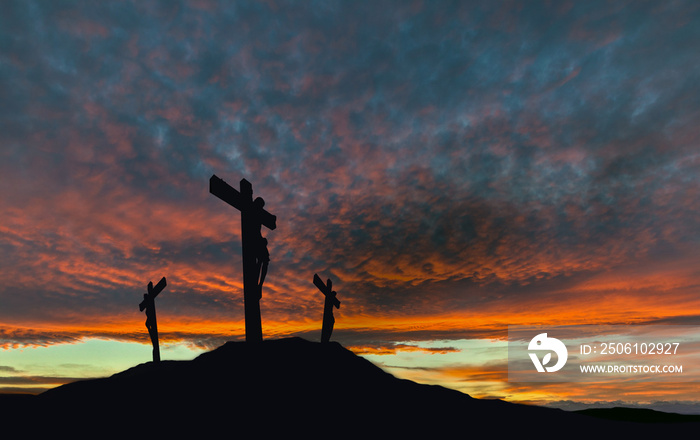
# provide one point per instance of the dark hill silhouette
(290, 386)
(642, 415)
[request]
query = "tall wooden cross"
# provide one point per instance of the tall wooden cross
(149, 304)
(331, 300)
(253, 216)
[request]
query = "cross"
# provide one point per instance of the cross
(253, 247)
(149, 304)
(331, 300)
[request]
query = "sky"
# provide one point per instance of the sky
(453, 167)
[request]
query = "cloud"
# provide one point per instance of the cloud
(392, 349)
(34, 380)
(465, 166)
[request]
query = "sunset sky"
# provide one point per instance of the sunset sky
(453, 167)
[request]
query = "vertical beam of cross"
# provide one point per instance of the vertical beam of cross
(330, 302)
(253, 217)
(149, 304)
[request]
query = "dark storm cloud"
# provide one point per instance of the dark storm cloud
(428, 156)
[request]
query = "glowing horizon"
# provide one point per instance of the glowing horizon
(453, 168)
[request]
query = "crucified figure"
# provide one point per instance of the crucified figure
(262, 255)
(149, 304)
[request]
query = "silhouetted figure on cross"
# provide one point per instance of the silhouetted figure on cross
(330, 302)
(254, 251)
(262, 255)
(149, 304)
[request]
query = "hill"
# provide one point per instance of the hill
(288, 387)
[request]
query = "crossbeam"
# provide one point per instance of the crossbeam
(240, 199)
(327, 290)
(153, 292)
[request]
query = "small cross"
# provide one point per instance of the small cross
(331, 301)
(149, 304)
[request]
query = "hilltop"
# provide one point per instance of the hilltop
(287, 386)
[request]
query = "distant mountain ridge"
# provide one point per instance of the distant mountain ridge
(289, 386)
